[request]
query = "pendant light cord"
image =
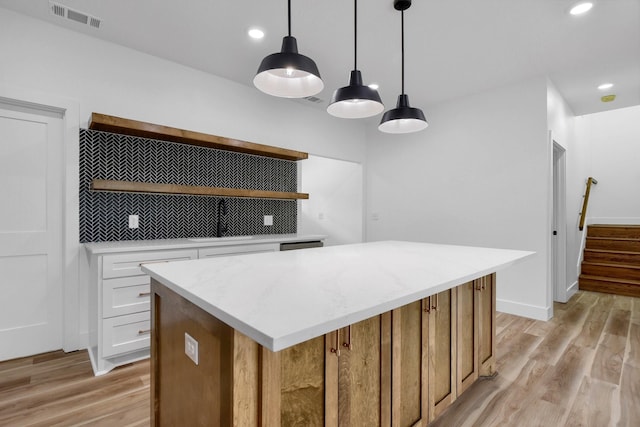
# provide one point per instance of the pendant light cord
(355, 34)
(289, 13)
(402, 32)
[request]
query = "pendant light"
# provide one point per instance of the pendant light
(287, 73)
(403, 118)
(355, 101)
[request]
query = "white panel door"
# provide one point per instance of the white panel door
(31, 249)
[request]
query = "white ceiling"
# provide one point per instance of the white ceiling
(453, 48)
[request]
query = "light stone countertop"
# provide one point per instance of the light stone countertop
(280, 299)
(98, 248)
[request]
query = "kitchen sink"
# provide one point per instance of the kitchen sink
(218, 239)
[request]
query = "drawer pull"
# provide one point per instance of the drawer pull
(348, 343)
(427, 304)
(144, 294)
(151, 262)
(336, 350)
(144, 331)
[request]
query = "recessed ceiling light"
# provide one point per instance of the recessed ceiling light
(374, 86)
(605, 86)
(581, 8)
(255, 33)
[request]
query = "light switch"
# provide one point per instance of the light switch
(268, 220)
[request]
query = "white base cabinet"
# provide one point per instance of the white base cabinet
(119, 299)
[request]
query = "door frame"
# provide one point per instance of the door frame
(558, 252)
(70, 111)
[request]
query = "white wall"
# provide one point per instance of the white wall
(478, 175)
(335, 205)
(613, 138)
(38, 57)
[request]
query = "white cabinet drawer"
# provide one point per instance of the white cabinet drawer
(128, 264)
(238, 250)
(127, 333)
(125, 295)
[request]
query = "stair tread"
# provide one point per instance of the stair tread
(608, 264)
(609, 279)
(612, 251)
(615, 225)
(631, 239)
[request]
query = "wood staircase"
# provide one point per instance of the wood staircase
(611, 261)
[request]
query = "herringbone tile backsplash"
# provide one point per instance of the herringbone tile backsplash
(104, 216)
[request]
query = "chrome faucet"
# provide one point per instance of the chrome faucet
(222, 227)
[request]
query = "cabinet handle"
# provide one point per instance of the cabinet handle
(144, 294)
(348, 343)
(151, 262)
(144, 331)
(484, 285)
(336, 349)
(427, 305)
(478, 286)
(435, 307)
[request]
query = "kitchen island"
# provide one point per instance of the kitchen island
(384, 333)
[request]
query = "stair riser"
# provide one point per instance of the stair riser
(609, 287)
(614, 245)
(627, 232)
(612, 258)
(613, 272)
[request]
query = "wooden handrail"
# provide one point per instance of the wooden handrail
(585, 202)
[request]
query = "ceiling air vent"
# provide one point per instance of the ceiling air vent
(63, 11)
(58, 10)
(313, 99)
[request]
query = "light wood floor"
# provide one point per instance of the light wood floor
(582, 368)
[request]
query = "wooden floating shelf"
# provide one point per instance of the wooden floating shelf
(103, 122)
(146, 187)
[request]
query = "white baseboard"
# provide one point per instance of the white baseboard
(524, 310)
(571, 291)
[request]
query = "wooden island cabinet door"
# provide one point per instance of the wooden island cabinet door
(336, 380)
(467, 334)
(442, 352)
(410, 346)
(486, 293)
(362, 390)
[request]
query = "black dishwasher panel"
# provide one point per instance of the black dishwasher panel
(300, 245)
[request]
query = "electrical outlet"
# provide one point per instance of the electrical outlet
(191, 347)
(134, 221)
(268, 220)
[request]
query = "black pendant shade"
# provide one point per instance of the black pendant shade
(287, 73)
(355, 101)
(403, 118)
